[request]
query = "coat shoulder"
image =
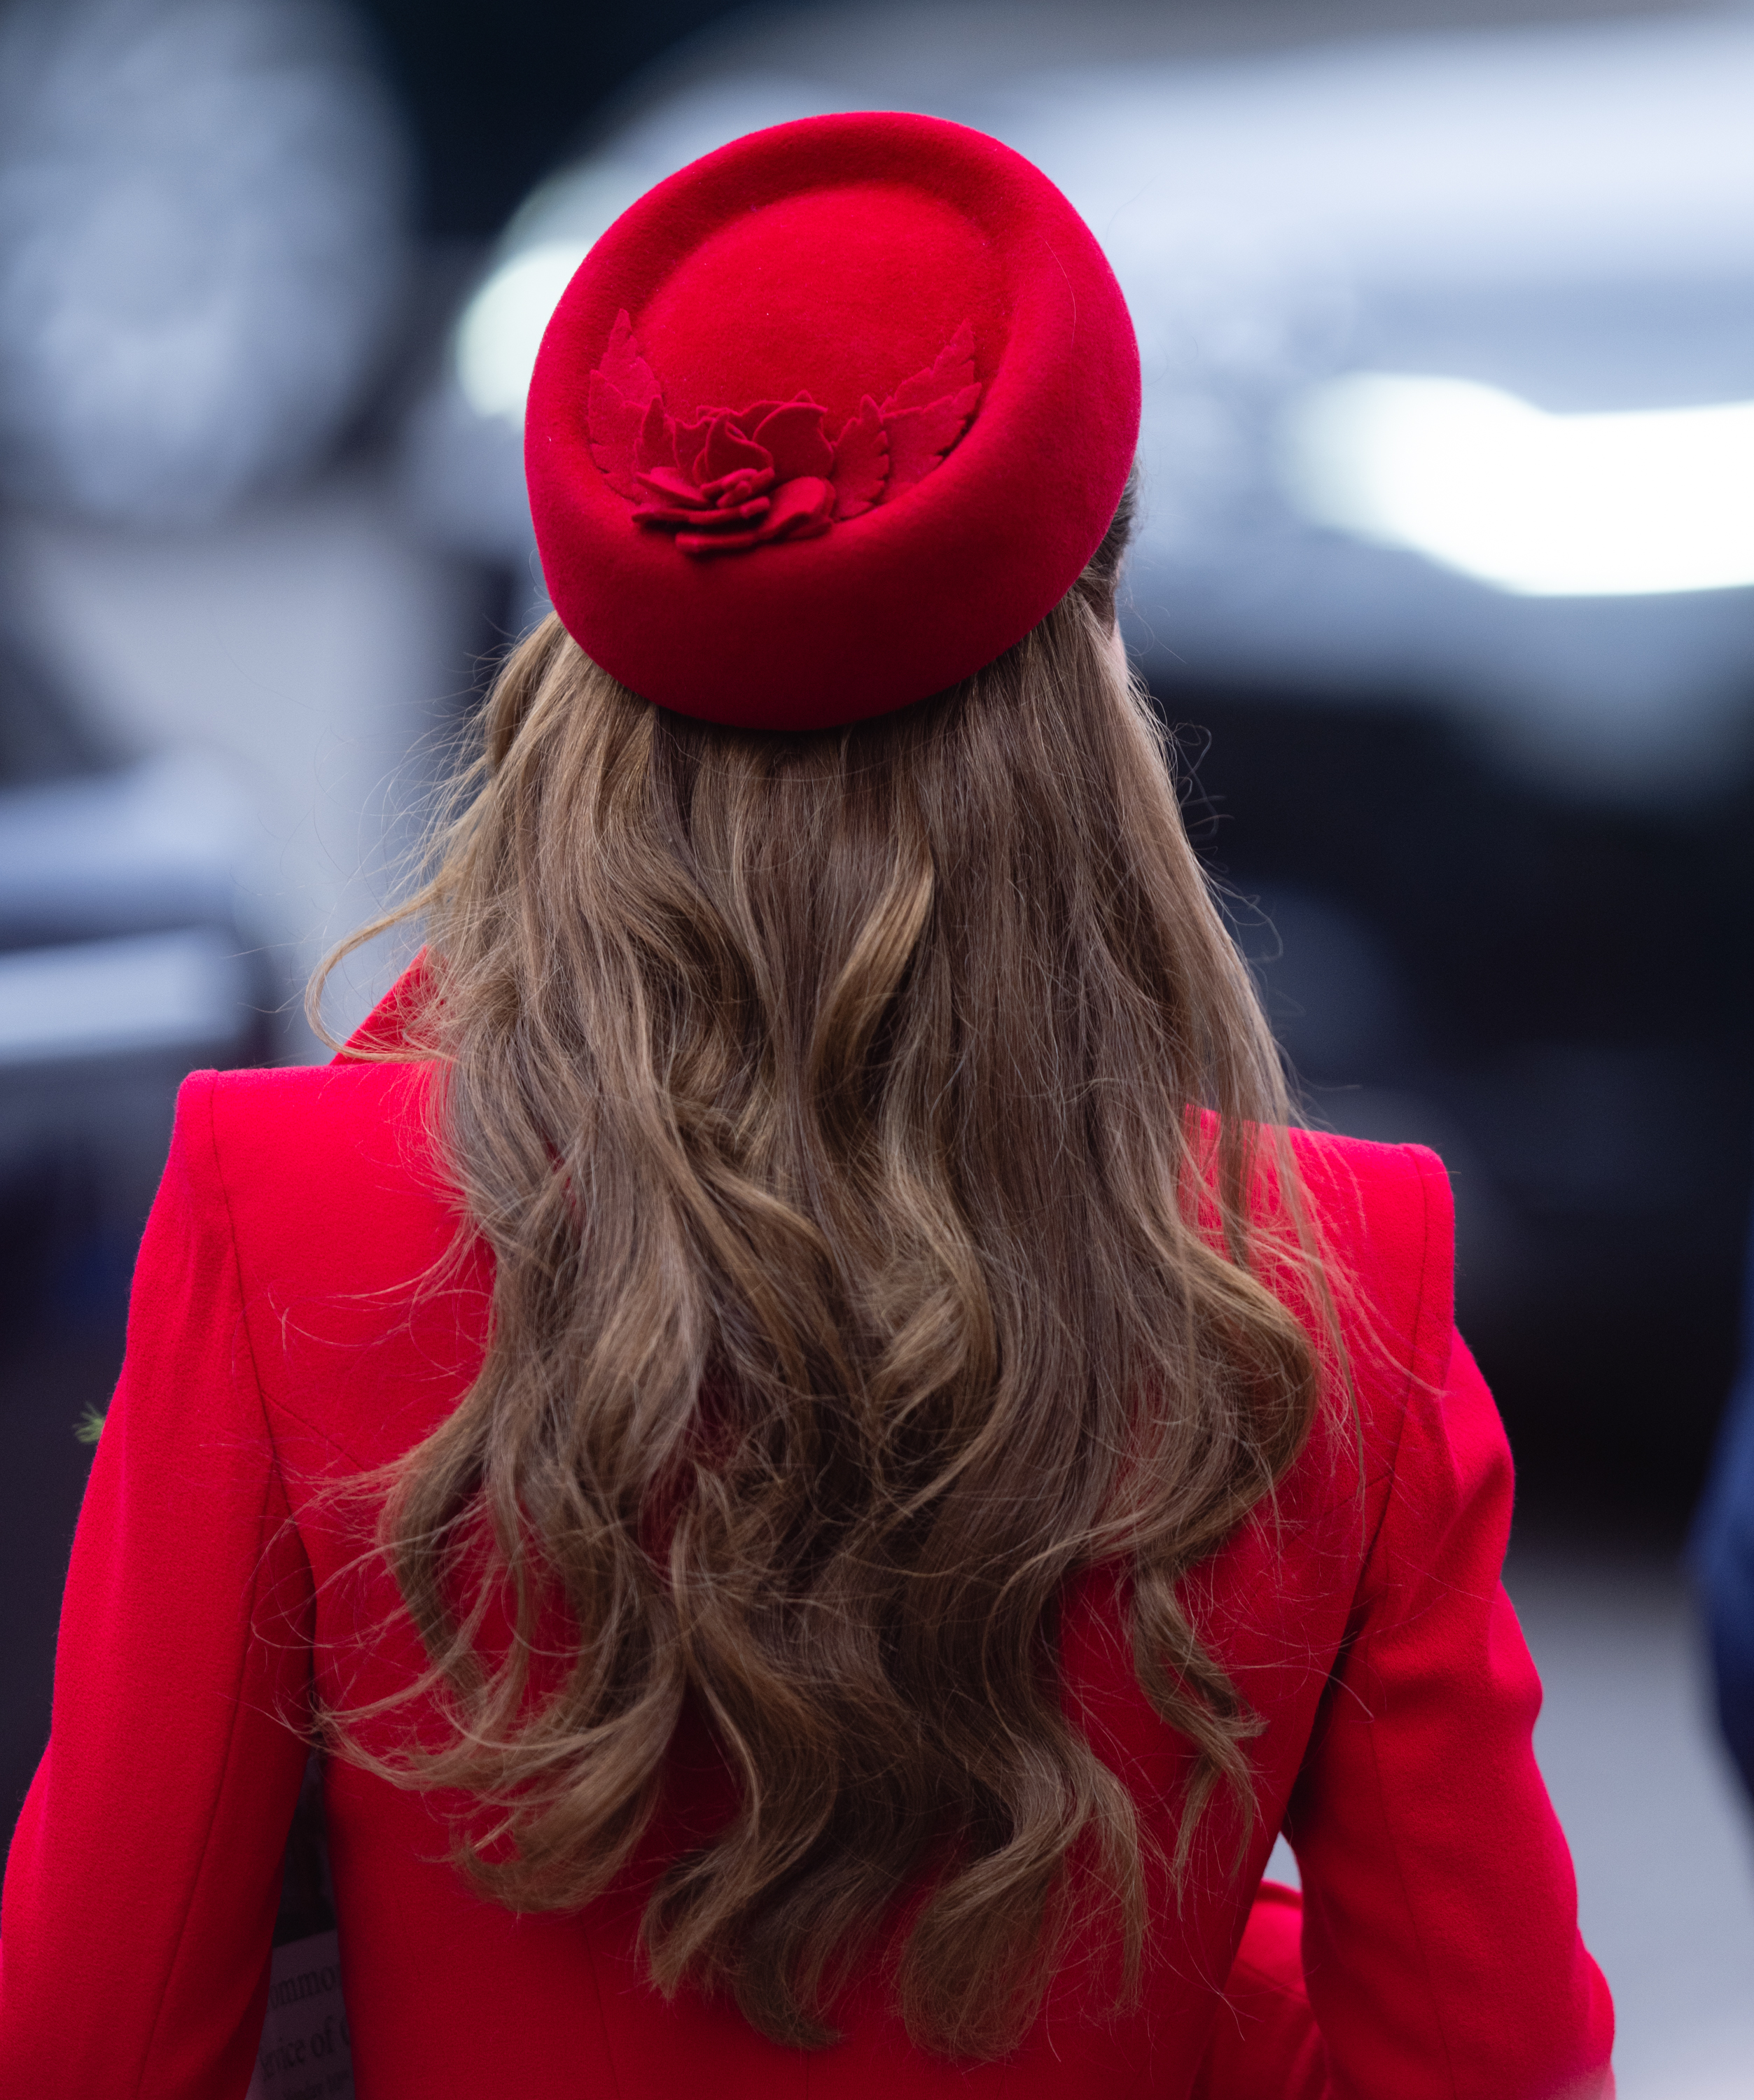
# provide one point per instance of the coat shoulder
(328, 1171)
(1396, 1195)
(1384, 1224)
(365, 1294)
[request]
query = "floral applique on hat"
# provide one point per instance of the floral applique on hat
(736, 478)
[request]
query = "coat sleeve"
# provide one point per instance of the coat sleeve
(1440, 1948)
(142, 1884)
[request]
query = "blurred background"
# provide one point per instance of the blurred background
(1446, 584)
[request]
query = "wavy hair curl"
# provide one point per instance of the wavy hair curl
(865, 1269)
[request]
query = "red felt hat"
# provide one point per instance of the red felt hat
(828, 420)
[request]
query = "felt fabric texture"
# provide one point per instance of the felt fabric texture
(828, 420)
(293, 1325)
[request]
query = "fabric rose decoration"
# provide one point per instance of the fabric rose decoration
(765, 474)
(734, 478)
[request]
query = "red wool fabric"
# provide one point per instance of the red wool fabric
(828, 421)
(293, 1325)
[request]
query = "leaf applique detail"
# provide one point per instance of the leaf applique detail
(926, 414)
(623, 395)
(861, 462)
(951, 370)
(614, 424)
(626, 371)
(919, 438)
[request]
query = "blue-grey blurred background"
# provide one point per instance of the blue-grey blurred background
(1445, 583)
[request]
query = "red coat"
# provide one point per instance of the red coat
(278, 1342)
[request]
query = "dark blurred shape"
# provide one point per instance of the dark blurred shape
(1537, 989)
(47, 1379)
(307, 1893)
(1723, 1555)
(201, 248)
(1337, 1008)
(499, 93)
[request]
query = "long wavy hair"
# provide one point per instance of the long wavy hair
(864, 1124)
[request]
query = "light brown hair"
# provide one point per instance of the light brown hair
(831, 1105)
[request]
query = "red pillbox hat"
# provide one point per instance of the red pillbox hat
(828, 421)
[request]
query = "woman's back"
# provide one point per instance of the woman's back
(794, 1421)
(1348, 1625)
